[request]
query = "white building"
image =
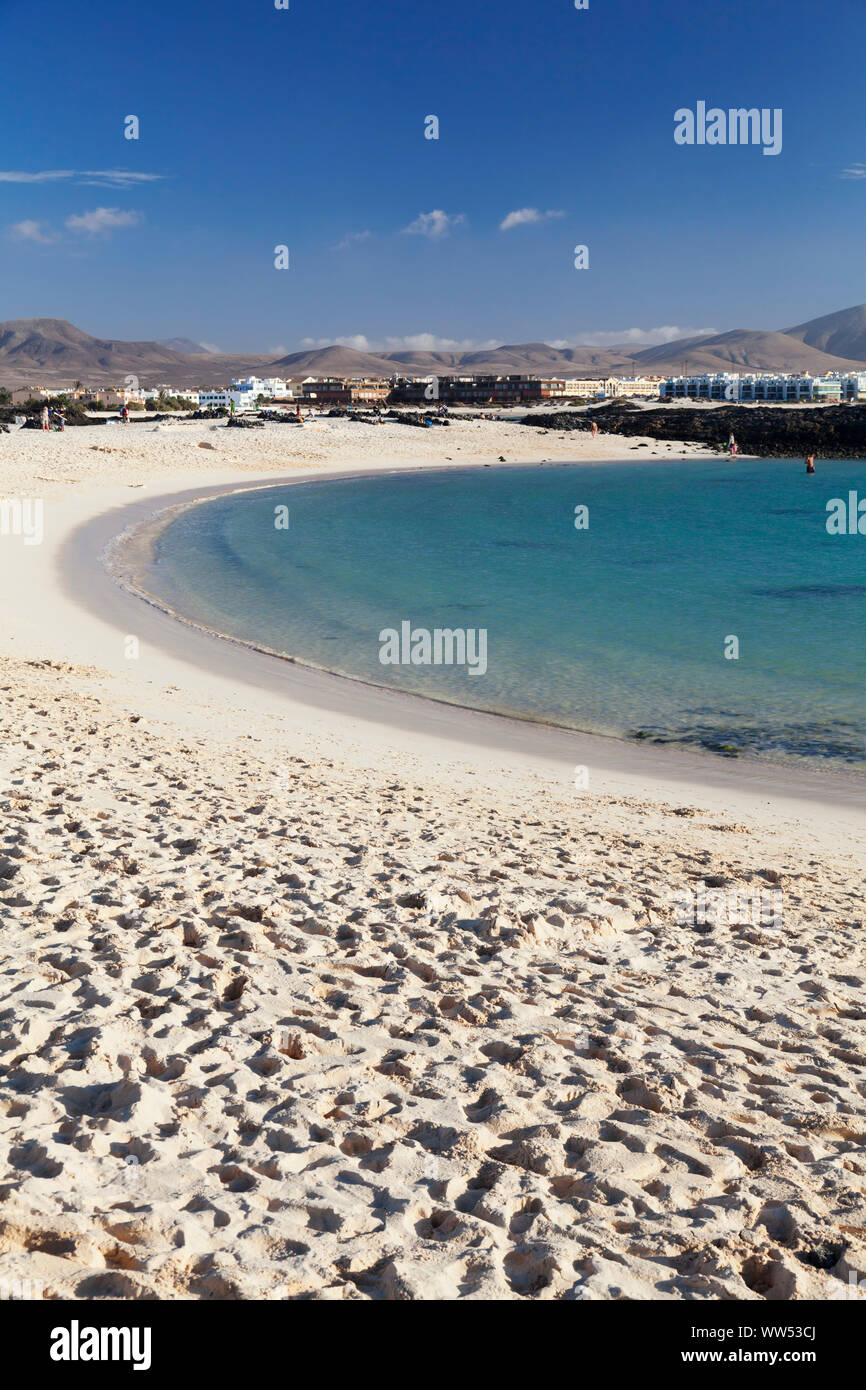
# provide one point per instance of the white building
(154, 394)
(645, 386)
(600, 388)
(223, 399)
(244, 393)
(766, 386)
(272, 388)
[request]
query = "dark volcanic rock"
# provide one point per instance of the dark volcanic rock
(279, 417)
(765, 431)
(73, 414)
(402, 417)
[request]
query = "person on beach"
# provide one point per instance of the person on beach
(732, 447)
(810, 464)
(124, 414)
(594, 428)
(46, 418)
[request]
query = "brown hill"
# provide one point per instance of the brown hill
(185, 345)
(53, 352)
(842, 333)
(519, 358)
(539, 357)
(333, 361)
(741, 350)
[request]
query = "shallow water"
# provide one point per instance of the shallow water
(620, 628)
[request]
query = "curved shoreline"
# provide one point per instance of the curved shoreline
(123, 563)
(98, 543)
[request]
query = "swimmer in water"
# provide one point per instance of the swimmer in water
(810, 464)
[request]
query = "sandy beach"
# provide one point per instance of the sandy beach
(315, 990)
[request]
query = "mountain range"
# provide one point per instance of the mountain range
(53, 352)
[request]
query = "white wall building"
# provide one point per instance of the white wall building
(766, 386)
(153, 394)
(648, 387)
(271, 387)
(244, 392)
(223, 398)
(600, 388)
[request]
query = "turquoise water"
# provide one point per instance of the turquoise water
(619, 628)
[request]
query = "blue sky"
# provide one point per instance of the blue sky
(305, 127)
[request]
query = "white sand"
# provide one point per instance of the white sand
(314, 990)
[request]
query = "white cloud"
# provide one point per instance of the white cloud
(409, 342)
(115, 178)
(353, 340)
(11, 176)
(854, 171)
(434, 224)
(351, 239)
(431, 342)
(631, 337)
(523, 217)
(101, 221)
(28, 230)
(105, 178)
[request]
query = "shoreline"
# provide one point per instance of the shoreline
(128, 551)
(74, 611)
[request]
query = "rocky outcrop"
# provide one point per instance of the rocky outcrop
(73, 414)
(764, 431)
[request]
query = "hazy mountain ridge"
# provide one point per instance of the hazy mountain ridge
(53, 352)
(743, 350)
(843, 333)
(184, 345)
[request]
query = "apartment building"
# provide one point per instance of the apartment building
(153, 394)
(606, 388)
(519, 389)
(346, 390)
(644, 386)
(23, 394)
(471, 390)
(271, 387)
(769, 387)
(107, 398)
(222, 398)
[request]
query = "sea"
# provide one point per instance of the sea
(701, 603)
